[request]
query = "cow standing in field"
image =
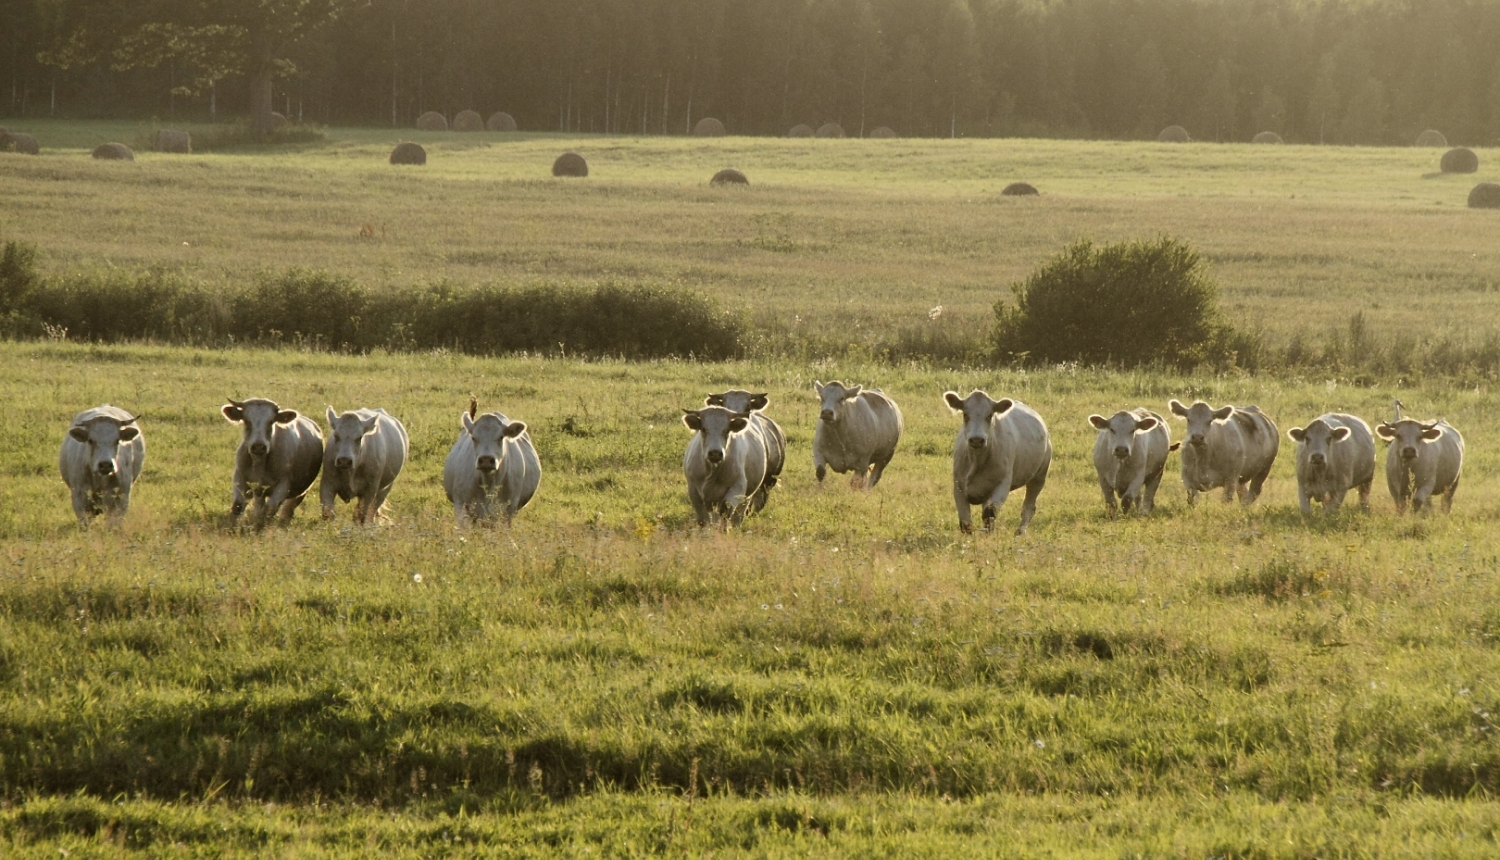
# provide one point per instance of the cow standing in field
(492, 469)
(858, 430)
(725, 464)
(1423, 460)
(277, 461)
(1231, 447)
(1335, 454)
(737, 400)
(1002, 446)
(102, 455)
(1130, 455)
(366, 450)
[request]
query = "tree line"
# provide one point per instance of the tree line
(1332, 71)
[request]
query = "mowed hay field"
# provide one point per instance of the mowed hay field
(845, 675)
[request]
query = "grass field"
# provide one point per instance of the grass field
(847, 674)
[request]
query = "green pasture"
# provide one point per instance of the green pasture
(847, 674)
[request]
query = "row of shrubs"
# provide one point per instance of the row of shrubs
(319, 310)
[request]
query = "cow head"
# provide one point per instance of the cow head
(1407, 435)
(737, 400)
(1316, 438)
(1121, 429)
(1200, 417)
(347, 432)
(978, 408)
(488, 432)
(833, 396)
(716, 424)
(103, 436)
(259, 418)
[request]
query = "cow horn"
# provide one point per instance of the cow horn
(235, 403)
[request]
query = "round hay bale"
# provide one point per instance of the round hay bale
(1459, 160)
(801, 130)
(113, 152)
(432, 121)
(1486, 195)
(501, 121)
(884, 132)
(169, 140)
(1431, 137)
(278, 121)
(708, 127)
(1020, 189)
(407, 152)
(729, 176)
(570, 164)
(468, 120)
(1267, 137)
(1173, 134)
(19, 142)
(829, 129)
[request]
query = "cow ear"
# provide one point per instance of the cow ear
(1223, 413)
(333, 417)
(1174, 446)
(1339, 434)
(1145, 424)
(128, 433)
(1385, 431)
(369, 426)
(954, 402)
(1296, 434)
(692, 420)
(737, 424)
(1002, 406)
(759, 401)
(818, 387)
(233, 414)
(286, 416)
(1099, 422)
(714, 400)
(1177, 408)
(1432, 432)
(851, 393)
(80, 434)
(516, 428)
(467, 420)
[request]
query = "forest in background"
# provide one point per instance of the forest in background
(1311, 70)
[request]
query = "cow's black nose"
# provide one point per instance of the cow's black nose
(715, 456)
(1122, 452)
(106, 468)
(1196, 441)
(827, 415)
(976, 441)
(1317, 459)
(258, 449)
(486, 464)
(343, 463)
(1408, 453)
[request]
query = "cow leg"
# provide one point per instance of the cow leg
(1304, 501)
(237, 503)
(961, 502)
(1108, 491)
(1448, 496)
(1334, 501)
(1364, 495)
(695, 498)
(83, 506)
(1257, 481)
(377, 510)
(1028, 506)
(288, 508)
(326, 495)
(820, 466)
(1421, 500)
(877, 470)
(1148, 496)
(1192, 497)
(1231, 486)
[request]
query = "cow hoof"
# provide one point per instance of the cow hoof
(966, 528)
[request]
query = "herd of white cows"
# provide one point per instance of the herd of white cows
(737, 453)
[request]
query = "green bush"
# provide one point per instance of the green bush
(1135, 303)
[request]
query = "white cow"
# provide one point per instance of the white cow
(1231, 447)
(102, 455)
(738, 400)
(365, 452)
(858, 429)
(277, 461)
(1002, 446)
(491, 470)
(1423, 460)
(1130, 455)
(1335, 453)
(725, 464)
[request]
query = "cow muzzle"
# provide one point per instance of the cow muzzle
(827, 415)
(976, 441)
(715, 456)
(259, 449)
(105, 467)
(1196, 441)
(1316, 459)
(486, 464)
(343, 463)
(1121, 452)
(1408, 453)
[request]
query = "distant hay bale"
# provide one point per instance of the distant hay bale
(570, 164)
(1459, 160)
(432, 121)
(19, 142)
(883, 132)
(113, 152)
(829, 129)
(1431, 137)
(708, 127)
(278, 121)
(1267, 137)
(407, 152)
(468, 120)
(169, 140)
(501, 121)
(1486, 195)
(1019, 189)
(729, 176)
(1173, 134)
(800, 130)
